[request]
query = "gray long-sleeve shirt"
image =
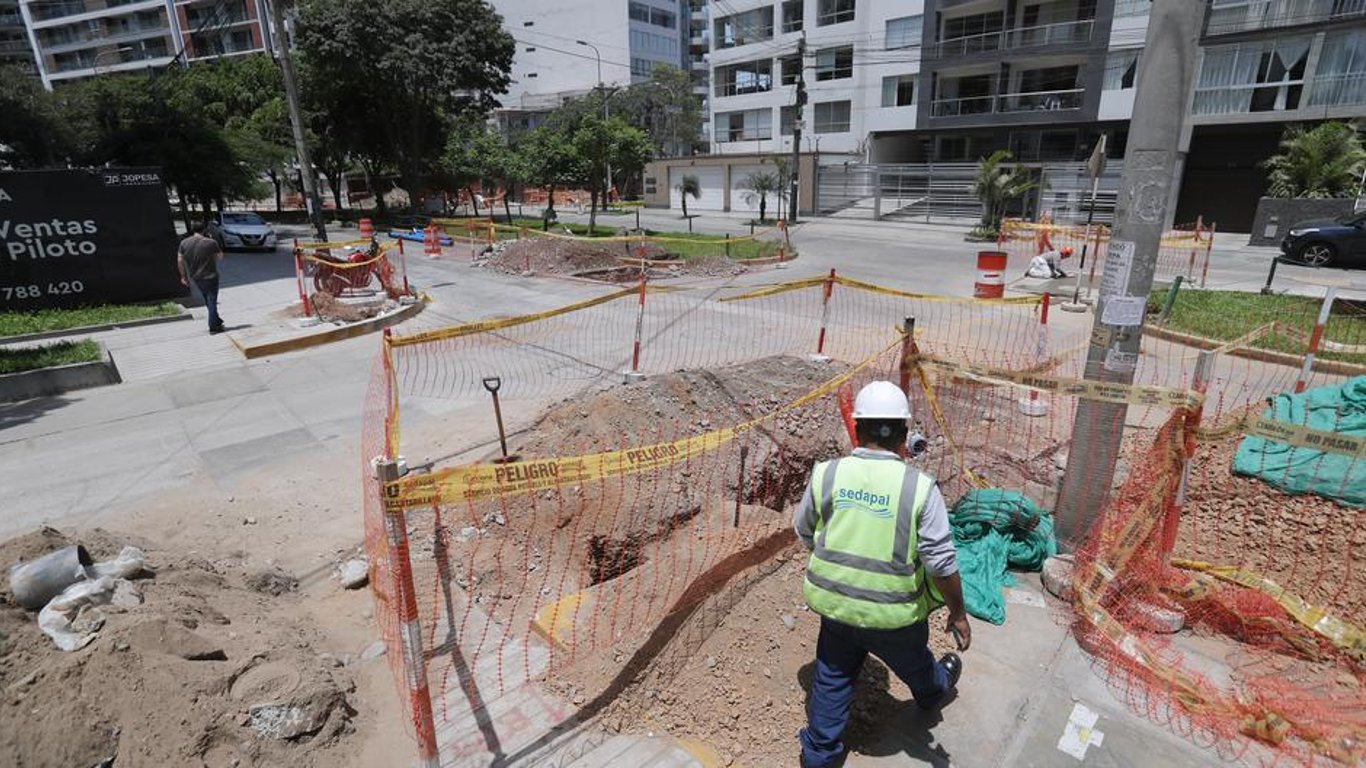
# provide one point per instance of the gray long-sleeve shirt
(934, 541)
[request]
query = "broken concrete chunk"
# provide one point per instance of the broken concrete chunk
(354, 574)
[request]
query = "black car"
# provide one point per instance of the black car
(1340, 242)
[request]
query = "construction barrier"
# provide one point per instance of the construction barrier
(991, 275)
(349, 268)
(547, 581)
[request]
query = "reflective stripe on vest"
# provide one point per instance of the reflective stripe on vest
(858, 579)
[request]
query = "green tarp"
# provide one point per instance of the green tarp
(994, 530)
(1335, 476)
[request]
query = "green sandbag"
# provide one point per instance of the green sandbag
(1340, 409)
(992, 532)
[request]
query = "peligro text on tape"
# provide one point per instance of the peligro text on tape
(478, 481)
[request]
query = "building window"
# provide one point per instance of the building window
(791, 68)
(835, 63)
(649, 42)
(904, 32)
(747, 77)
(748, 125)
(639, 12)
(1341, 78)
(649, 15)
(1132, 8)
(898, 90)
(793, 13)
(1228, 16)
(1255, 76)
(832, 117)
(641, 67)
(1121, 70)
(834, 12)
(787, 120)
(744, 28)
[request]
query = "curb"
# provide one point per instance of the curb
(338, 333)
(88, 329)
(43, 382)
(1321, 365)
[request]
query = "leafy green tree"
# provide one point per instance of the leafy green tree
(604, 144)
(689, 186)
(997, 184)
(476, 154)
(552, 162)
(408, 67)
(761, 184)
(33, 133)
(666, 108)
(1325, 161)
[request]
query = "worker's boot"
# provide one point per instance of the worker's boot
(953, 665)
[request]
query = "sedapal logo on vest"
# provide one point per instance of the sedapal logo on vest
(875, 504)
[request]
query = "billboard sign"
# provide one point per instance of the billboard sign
(76, 237)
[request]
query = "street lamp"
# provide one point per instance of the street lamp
(607, 190)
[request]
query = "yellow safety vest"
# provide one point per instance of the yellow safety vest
(864, 569)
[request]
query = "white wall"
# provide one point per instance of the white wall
(558, 65)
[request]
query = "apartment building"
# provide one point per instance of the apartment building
(950, 81)
(82, 38)
(699, 59)
(565, 50)
(15, 50)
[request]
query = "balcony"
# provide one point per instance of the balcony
(1234, 16)
(1346, 90)
(1067, 32)
(1009, 103)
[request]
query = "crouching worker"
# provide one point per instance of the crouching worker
(882, 558)
(1049, 264)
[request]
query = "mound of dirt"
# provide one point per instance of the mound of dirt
(204, 672)
(1307, 544)
(600, 261)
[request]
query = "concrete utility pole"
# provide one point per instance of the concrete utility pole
(793, 192)
(1160, 106)
(296, 121)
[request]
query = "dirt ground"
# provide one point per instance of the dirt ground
(1310, 546)
(216, 667)
(545, 256)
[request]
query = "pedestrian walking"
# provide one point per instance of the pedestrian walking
(882, 559)
(198, 259)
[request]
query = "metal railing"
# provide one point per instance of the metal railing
(1258, 14)
(1022, 37)
(1237, 99)
(1009, 102)
(1343, 90)
(1051, 34)
(1040, 100)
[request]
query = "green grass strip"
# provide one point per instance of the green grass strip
(45, 320)
(1227, 315)
(15, 360)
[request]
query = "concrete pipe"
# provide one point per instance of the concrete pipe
(35, 583)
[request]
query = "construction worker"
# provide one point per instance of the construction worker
(882, 558)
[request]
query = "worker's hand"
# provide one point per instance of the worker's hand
(961, 630)
(184, 281)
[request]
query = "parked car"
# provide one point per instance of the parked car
(243, 229)
(1339, 242)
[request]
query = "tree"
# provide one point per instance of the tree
(996, 185)
(761, 184)
(1325, 161)
(552, 161)
(409, 66)
(666, 108)
(33, 133)
(608, 143)
(689, 187)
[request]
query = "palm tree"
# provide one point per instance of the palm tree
(1326, 161)
(761, 184)
(689, 186)
(996, 185)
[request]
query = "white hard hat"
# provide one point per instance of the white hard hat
(881, 400)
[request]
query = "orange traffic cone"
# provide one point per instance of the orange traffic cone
(431, 242)
(367, 229)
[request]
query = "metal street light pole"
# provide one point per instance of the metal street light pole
(296, 121)
(1160, 106)
(606, 190)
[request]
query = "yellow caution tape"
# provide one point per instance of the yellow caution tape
(810, 282)
(773, 290)
(1342, 634)
(718, 240)
(1301, 436)
(486, 326)
(342, 264)
(1109, 392)
(323, 246)
(485, 480)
